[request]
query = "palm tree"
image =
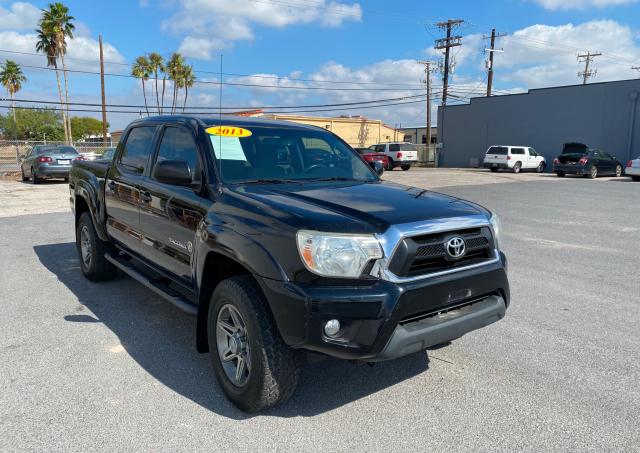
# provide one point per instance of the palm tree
(157, 65)
(141, 70)
(47, 46)
(57, 24)
(174, 70)
(12, 78)
(188, 79)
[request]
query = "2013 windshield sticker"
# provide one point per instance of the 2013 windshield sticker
(228, 131)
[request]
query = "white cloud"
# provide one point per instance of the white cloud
(210, 25)
(580, 4)
(20, 16)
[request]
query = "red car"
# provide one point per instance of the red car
(370, 156)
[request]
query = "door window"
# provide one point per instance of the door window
(517, 150)
(532, 152)
(178, 144)
(137, 149)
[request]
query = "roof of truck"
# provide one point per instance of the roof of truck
(228, 120)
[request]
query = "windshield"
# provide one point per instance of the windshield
(499, 150)
(267, 154)
(575, 148)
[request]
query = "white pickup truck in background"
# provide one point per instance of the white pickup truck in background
(514, 158)
(400, 154)
(633, 169)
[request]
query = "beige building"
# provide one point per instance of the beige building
(357, 131)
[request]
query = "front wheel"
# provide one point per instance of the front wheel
(391, 165)
(494, 169)
(560, 174)
(252, 364)
(618, 171)
(593, 174)
(405, 167)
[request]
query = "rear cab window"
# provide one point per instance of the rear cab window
(137, 149)
(498, 150)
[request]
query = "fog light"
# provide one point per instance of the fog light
(332, 327)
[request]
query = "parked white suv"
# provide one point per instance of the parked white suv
(633, 169)
(515, 158)
(400, 154)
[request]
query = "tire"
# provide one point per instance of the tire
(635, 178)
(618, 171)
(405, 167)
(540, 168)
(517, 167)
(560, 174)
(34, 177)
(391, 165)
(593, 174)
(271, 371)
(494, 169)
(66, 180)
(94, 265)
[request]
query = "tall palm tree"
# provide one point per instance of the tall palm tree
(157, 65)
(188, 79)
(58, 24)
(47, 46)
(141, 70)
(12, 78)
(174, 70)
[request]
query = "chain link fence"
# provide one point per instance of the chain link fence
(12, 151)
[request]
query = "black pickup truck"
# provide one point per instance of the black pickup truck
(281, 239)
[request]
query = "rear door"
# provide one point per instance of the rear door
(170, 214)
(611, 162)
(122, 192)
(520, 155)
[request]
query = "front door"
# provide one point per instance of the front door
(170, 214)
(122, 192)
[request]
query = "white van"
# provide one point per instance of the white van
(514, 158)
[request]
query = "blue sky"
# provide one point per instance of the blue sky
(373, 44)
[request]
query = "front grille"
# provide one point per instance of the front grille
(426, 254)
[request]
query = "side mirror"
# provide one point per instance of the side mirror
(175, 172)
(377, 167)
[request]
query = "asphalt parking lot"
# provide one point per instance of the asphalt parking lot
(110, 366)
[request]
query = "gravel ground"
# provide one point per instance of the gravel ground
(110, 366)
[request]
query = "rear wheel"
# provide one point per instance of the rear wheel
(91, 251)
(560, 174)
(252, 364)
(618, 171)
(517, 167)
(540, 168)
(405, 167)
(494, 169)
(593, 174)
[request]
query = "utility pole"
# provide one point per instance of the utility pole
(427, 81)
(587, 58)
(446, 44)
(104, 103)
(637, 68)
(491, 51)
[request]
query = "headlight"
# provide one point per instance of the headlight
(336, 254)
(497, 229)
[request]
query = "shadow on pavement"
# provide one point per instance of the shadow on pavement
(162, 340)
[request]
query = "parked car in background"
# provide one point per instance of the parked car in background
(400, 154)
(579, 159)
(633, 169)
(48, 161)
(374, 157)
(514, 158)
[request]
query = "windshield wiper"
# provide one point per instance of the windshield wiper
(269, 181)
(334, 178)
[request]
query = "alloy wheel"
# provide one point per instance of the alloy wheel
(85, 246)
(233, 345)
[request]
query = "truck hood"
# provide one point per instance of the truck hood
(353, 207)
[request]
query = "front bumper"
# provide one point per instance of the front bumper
(383, 320)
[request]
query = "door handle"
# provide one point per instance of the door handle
(145, 196)
(112, 186)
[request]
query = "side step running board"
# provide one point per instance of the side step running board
(156, 286)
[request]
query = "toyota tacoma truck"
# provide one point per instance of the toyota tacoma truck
(282, 240)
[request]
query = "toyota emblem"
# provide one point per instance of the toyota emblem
(455, 247)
